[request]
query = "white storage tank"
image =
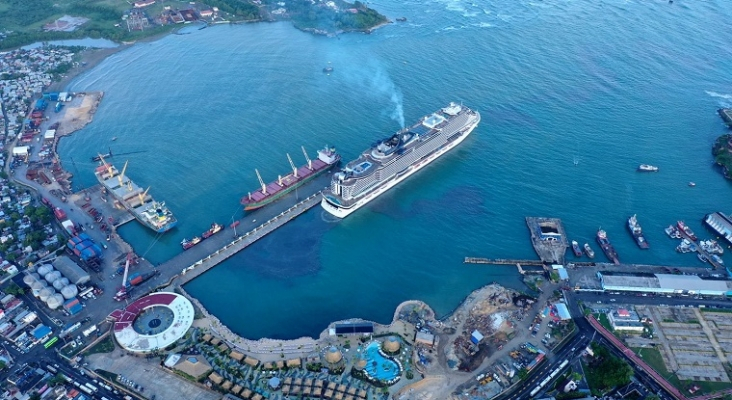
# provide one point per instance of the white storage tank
(55, 301)
(59, 284)
(69, 292)
(28, 279)
(37, 286)
(52, 276)
(45, 293)
(44, 269)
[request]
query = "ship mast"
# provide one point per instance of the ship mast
(261, 182)
(109, 167)
(292, 164)
(122, 175)
(142, 196)
(310, 163)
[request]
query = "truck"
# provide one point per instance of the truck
(59, 213)
(69, 226)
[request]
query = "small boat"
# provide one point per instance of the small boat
(402, 19)
(114, 138)
(637, 232)
(692, 184)
(588, 250)
(187, 244)
(215, 228)
(235, 224)
(670, 231)
(328, 69)
(685, 230)
(647, 168)
(702, 257)
(576, 249)
(717, 259)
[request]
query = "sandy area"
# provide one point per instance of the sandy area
(79, 112)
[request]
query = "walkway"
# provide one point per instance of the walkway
(712, 339)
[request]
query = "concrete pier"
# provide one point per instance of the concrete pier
(243, 241)
(548, 238)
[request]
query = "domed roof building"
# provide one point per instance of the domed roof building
(391, 345)
(360, 364)
(332, 358)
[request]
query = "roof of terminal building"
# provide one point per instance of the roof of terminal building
(665, 281)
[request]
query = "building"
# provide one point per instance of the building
(721, 224)
(476, 337)
(71, 271)
(425, 338)
(354, 328)
(623, 319)
(562, 311)
(664, 284)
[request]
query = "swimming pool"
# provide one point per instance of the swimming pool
(380, 367)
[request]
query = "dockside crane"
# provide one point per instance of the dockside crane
(310, 163)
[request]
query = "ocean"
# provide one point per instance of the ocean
(573, 95)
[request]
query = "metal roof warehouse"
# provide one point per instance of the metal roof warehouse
(664, 283)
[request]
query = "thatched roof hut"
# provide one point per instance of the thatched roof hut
(227, 385)
(207, 338)
(293, 363)
(215, 378)
(215, 341)
(253, 362)
(236, 389)
(235, 355)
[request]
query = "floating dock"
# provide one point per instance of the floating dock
(548, 238)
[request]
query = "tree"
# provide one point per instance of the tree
(523, 373)
(653, 397)
(14, 289)
(35, 396)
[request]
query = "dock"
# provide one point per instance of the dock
(503, 261)
(548, 238)
(241, 242)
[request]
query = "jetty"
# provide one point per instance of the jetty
(726, 114)
(241, 242)
(548, 238)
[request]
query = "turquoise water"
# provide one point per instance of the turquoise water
(573, 95)
(378, 366)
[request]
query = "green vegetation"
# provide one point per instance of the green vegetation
(106, 345)
(523, 373)
(56, 380)
(237, 8)
(604, 321)
(723, 154)
(14, 289)
(110, 376)
(606, 371)
(309, 16)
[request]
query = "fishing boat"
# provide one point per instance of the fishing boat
(686, 231)
(607, 247)
(576, 249)
(647, 168)
(702, 257)
(637, 232)
(215, 228)
(187, 244)
(588, 250)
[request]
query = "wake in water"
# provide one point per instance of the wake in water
(719, 95)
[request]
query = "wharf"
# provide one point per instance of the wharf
(93, 195)
(548, 238)
(241, 242)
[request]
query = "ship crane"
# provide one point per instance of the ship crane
(109, 167)
(121, 176)
(310, 163)
(261, 182)
(292, 164)
(143, 195)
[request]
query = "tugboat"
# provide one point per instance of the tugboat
(588, 250)
(672, 232)
(607, 248)
(637, 232)
(187, 244)
(576, 249)
(215, 228)
(647, 168)
(685, 230)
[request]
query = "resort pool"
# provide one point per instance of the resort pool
(378, 366)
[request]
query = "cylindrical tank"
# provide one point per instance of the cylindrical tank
(37, 286)
(44, 269)
(55, 301)
(59, 284)
(69, 292)
(52, 276)
(45, 293)
(28, 279)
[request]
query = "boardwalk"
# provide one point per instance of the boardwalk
(240, 243)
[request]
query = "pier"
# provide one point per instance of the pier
(501, 261)
(548, 238)
(243, 241)
(726, 114)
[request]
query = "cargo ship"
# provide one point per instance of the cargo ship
(392, 160)
(215, 228)
(327, 158)
(607, 248)
(686, 231)
(187, 244)
(637, 232)
(152, 214)
(576, 249)
(588, 250)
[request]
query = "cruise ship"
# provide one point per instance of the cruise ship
(395, 158)
(153, 214)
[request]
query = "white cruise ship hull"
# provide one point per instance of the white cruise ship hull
(343, 212)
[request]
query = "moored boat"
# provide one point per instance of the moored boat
(588, 250)
(234, 224)
(576, 249)
(637, 232)
(327, 159)
(702, 257)
(717, 259)
(215, 228)
(187, 244)
(647, 168)
(686, 231)
(606, 247)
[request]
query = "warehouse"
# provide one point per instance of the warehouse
(664, 283)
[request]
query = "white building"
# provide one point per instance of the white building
(664, 283)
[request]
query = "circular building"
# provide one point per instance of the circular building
(332, 358)
(153, 322)
(391, 345)
(360, 364)
(69, 292)
(28, 279)
(55, 301)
